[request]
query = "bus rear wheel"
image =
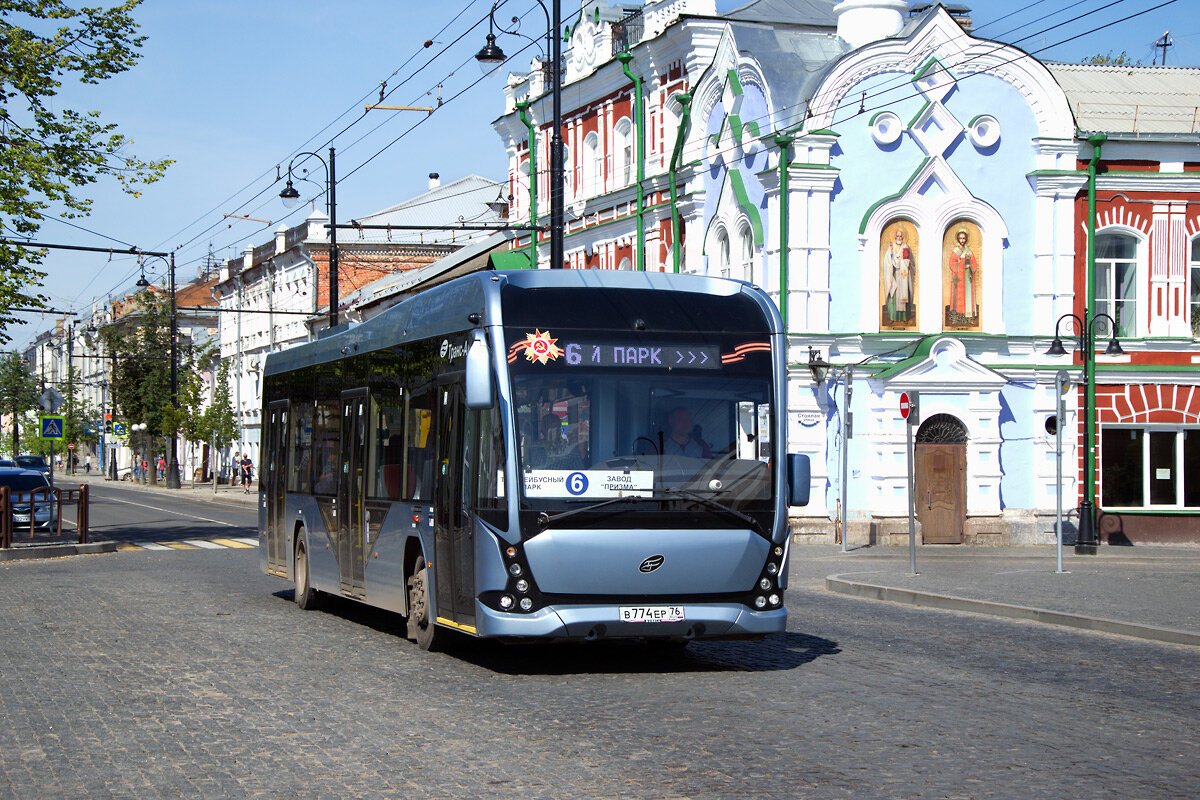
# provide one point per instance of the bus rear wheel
(306, 596)
(421, 628)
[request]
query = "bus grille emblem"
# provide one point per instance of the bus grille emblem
(652, 563)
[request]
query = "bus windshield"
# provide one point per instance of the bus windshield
(664, 420)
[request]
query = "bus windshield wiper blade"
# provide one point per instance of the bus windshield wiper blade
(545, 519)
(717, 504)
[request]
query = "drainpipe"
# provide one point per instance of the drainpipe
(625, 58)
(685, 100)
(521, 108)
(785, 160)
(1087, 537)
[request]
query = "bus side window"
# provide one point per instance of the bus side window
(489, 486)
(419, 446)
(300, 466)
(326, 435)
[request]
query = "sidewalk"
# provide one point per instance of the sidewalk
(1148, 592)
(203, 491)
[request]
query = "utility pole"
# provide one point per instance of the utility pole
(1163, 43)
(173, 461)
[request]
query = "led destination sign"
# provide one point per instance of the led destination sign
(648, 355)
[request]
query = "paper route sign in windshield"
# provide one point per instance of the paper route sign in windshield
(588, 483)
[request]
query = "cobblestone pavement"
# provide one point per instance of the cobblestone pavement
(188, 674)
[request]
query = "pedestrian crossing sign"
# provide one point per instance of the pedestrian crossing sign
(120, 430)
(52, 426)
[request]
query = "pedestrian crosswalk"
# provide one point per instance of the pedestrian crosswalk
(193, 544)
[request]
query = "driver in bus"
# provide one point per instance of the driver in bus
(680, 440)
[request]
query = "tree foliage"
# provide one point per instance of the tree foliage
(1111, 60)
(49, 153)
(139, 344)
(18, 394)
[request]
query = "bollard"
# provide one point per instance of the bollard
(82, 519)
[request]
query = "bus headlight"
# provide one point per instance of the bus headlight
(526, 603)
(773, 599)
(772, 568)
(506, 601)
(514, 569)
(522, 586)
(765, 584)
(760, 602)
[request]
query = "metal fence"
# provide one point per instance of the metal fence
(55, 498)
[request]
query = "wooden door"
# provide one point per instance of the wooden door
(941, 478)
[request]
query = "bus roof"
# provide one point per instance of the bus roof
(443, 310)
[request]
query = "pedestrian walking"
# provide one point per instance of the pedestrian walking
(247, 473)
(87, 465)
(162, 467)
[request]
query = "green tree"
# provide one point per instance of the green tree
(1108, 59)
(48, 152)
(190, 418)
(220, 419)
(18, 394)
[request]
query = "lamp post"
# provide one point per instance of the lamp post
(291, 197)
(491, 56)
(1085, 541)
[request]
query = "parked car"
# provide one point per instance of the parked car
(33, 462)
(21, 484)
(7, 462)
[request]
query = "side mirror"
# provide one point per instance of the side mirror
(479, 374)
(799, 479)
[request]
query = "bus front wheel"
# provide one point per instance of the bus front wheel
(421, 628)
(306, 596)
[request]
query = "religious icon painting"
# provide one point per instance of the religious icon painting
(898, 276)
(961, 276)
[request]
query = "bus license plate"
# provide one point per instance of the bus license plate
(651, 613)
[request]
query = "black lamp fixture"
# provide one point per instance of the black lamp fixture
(142, 283)
(490, 56)
(818, 366)
(289, 195)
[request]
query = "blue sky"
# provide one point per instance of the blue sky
(232, 89)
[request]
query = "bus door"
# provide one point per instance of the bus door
(351, 490)
(274, 480)
(454, 534)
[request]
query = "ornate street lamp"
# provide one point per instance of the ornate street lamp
(1086, 541)
(491, 56)
(291, 197)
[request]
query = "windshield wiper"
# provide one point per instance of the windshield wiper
(544, 519)
(717, 504)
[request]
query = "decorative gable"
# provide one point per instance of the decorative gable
(939, 365)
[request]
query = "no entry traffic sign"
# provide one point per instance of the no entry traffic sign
(905, 406)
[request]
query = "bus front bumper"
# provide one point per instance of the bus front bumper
(592, 622)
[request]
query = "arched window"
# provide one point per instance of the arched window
(625, 264)
(747, 254)
(624, 151)
(1194, 273)
(569, 182)
(593, 171)
(723, 253)
(1116, 280)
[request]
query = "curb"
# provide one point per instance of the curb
(228, 496)
(29, 552)
(947, 602)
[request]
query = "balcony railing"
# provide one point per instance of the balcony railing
(626, 32)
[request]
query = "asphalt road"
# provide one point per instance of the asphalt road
(133, 515)
(172, 673)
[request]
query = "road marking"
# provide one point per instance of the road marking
(233, 543)
(153, 546)
(205, 544)
(179, 513)
(180, 546)
(252, 541)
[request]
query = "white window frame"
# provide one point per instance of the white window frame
(1193, 288)
(1139, 301)
(1147, 429)
(746, 252)
(593, 170)
(724, 253)
(623, 149)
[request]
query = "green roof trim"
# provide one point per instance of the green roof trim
(509, 259)
(919, 354)
(913, 122)
(743, 201)
(862, 226)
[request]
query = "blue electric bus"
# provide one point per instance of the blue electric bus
(540, 454)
